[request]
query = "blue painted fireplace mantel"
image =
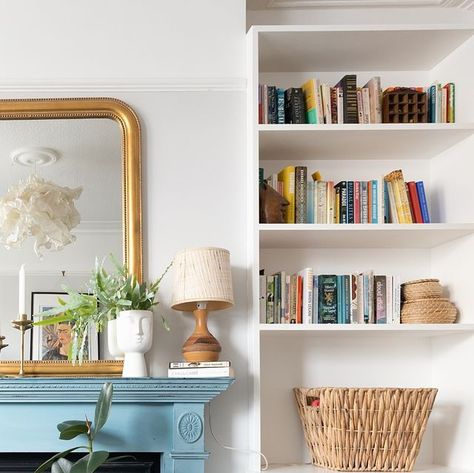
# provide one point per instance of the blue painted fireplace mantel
(148, 415)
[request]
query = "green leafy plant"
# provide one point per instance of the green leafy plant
(118, 291)
(70, 429)
(80, 311)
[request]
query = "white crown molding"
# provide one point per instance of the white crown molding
(465, 4)
(166, 84)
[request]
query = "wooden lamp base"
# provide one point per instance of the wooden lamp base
(201, 345)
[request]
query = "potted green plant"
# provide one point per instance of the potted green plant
(70, 429)
(127, 304)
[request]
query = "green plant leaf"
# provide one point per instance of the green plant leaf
(121, 457)
(73, 431)
(90, 462)
(61, 466)
(47, 464)
(68, 423)
(53, 320)
(102, 407)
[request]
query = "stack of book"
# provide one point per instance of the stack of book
(200, 369)
(384, 200)
(306, 298)
(406, 200)
(319, 103)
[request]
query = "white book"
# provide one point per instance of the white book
(330, 202)
(389, 299)
(326, 90)
(262, 299)
(380, 201)
(201, 372)
(340, 105)
(307, 296)
(366, 105)
(322, 202)
(396, 300)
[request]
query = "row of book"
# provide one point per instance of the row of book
(385, 200)
(319, 103)
(306, 298)
(200, 369)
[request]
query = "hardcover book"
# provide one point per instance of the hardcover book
(327, 299)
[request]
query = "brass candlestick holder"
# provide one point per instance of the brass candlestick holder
(2, 344)
(22, 324)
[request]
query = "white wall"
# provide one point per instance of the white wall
(180, 65)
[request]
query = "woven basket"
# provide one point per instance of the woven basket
(364, 429)
(421, 289)
(428, 311)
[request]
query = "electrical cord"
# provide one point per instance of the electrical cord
(244, 450)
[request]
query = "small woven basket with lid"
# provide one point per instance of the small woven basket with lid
(421, 289)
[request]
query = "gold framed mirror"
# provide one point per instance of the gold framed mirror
(125, 117)
(77, 117)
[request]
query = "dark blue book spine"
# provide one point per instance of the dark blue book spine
(280, 106)
(423, 203)
(432, 106)
(350, 201)
(327, 299)
(386, 208)
(343, 202)
(272, 105)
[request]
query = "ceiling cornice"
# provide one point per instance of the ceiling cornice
(464, 4)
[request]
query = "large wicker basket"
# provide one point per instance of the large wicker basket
(364, 429)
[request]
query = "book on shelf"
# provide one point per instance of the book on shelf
(318, 103)
(308, 298)
(198, 364)
(223, 372)
(388, 199)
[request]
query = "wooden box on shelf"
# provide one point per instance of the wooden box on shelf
(404, 105)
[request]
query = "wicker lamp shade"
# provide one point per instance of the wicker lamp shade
(202, 275)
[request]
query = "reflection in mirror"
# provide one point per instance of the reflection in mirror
(84, 154)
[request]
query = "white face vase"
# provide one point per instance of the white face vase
(135, 331)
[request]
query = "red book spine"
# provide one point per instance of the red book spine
(415, 202)
(299, 300)
(356, 201)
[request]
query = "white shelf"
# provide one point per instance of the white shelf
(302, 468)
(340, 330)
(356, 48)
(361, 235)
(346, 142)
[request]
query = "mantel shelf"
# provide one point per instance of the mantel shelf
(350, 142)
(359, 330)
(427, 235)
(304, 468)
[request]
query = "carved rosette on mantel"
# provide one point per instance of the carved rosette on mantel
(148, 415)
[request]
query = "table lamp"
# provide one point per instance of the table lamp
(203, 282)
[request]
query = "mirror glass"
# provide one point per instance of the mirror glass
(88, 155)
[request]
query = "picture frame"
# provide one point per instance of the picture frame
(48, 343)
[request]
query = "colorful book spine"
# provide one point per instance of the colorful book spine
(287, 176)
(348, 84)
(280, 106)
(299, 299)
(327, 299)
(330, 201)
(293, 297)
(357, 214)
(380, 303)
(374, 204)
(315, 299)
(262, 299)
(270, 300)
(415, 202)
(301, 194)
(423, 202)
(350, 202)
(347, 299)
(294, 106)
(310, 90)
(340, 298)
(310, 202)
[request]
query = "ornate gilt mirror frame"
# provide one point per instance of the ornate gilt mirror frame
(121, 113)
(112, 109)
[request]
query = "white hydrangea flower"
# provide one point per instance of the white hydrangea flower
(41, 209)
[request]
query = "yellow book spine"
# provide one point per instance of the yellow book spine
(400, 196)
(310, 96)
(287, 177)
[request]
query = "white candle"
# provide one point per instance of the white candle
(22, 290)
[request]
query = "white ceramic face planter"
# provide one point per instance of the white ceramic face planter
(134, 339)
